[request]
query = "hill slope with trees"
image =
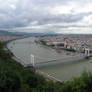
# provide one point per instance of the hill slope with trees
(16, 78)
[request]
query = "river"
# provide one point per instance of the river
(23, 48)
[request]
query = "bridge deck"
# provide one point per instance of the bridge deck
(60, 61)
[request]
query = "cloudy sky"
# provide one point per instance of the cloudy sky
(59, 16)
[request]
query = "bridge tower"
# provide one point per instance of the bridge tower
(65, 44)
(32, 60)
(87, 52)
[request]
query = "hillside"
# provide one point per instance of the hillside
(16, 78)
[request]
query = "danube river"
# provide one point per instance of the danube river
(24, 48)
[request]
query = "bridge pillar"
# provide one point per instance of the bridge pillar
(32, 60)
(65, 44)
(87, 52)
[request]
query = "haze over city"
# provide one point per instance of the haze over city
(50, 16)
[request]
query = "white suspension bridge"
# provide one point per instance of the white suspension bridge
(49, 62)
(59, 61)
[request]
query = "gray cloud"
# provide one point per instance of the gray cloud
(45, 15)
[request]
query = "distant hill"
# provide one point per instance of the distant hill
(23, 33)
(40, 34)
(4, 32)
(11, 33)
